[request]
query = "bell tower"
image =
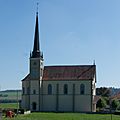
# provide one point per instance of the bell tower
(36, 58)
(36, 71)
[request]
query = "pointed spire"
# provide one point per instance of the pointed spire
(36, 49)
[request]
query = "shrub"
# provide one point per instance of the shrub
(115, 104)
(101, 103)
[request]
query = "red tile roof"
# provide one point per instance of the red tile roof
(96, 98)
(75, 72)
(117, 96)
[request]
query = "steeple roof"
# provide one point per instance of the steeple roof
(36, 49)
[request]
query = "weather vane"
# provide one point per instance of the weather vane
(37, 7)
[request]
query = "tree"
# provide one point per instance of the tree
(101, 103)
(115, 104)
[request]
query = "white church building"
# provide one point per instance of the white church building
(67, 88)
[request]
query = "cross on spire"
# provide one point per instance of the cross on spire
(37, 7)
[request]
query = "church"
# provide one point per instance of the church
(67, 88)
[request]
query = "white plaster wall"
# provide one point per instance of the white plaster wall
(83, 103)
(25, 97)
(25, 84)
(94, 86)
(34, 86)
(49, 103)
(65, 103)
(25, 103)
(87, 84)
(34, 98)
(45, 87)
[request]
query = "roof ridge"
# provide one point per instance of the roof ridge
(66, 65)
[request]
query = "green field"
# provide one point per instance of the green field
(8, 105)
(10, 95)
(64, 116)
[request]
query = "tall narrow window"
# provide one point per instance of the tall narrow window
(49, 89)
(65, 89)
(82, 89)
(34, 91)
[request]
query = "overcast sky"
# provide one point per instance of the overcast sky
(72, 32)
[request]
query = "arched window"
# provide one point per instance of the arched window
(49, 89)
(82, 89)
(34, 91)
(65, 89)
(34, 105)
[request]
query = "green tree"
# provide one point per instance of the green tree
(107, 100)
(115, 104)
(101, 103)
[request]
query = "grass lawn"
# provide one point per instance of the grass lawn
(8, 105)
(64, 116)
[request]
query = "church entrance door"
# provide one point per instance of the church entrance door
(34, 106)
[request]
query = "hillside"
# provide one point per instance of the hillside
(9, 96)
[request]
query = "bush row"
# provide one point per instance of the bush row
(8, 101)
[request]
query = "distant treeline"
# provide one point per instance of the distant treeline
(1, 95)
(11, 91)
(8, 101)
